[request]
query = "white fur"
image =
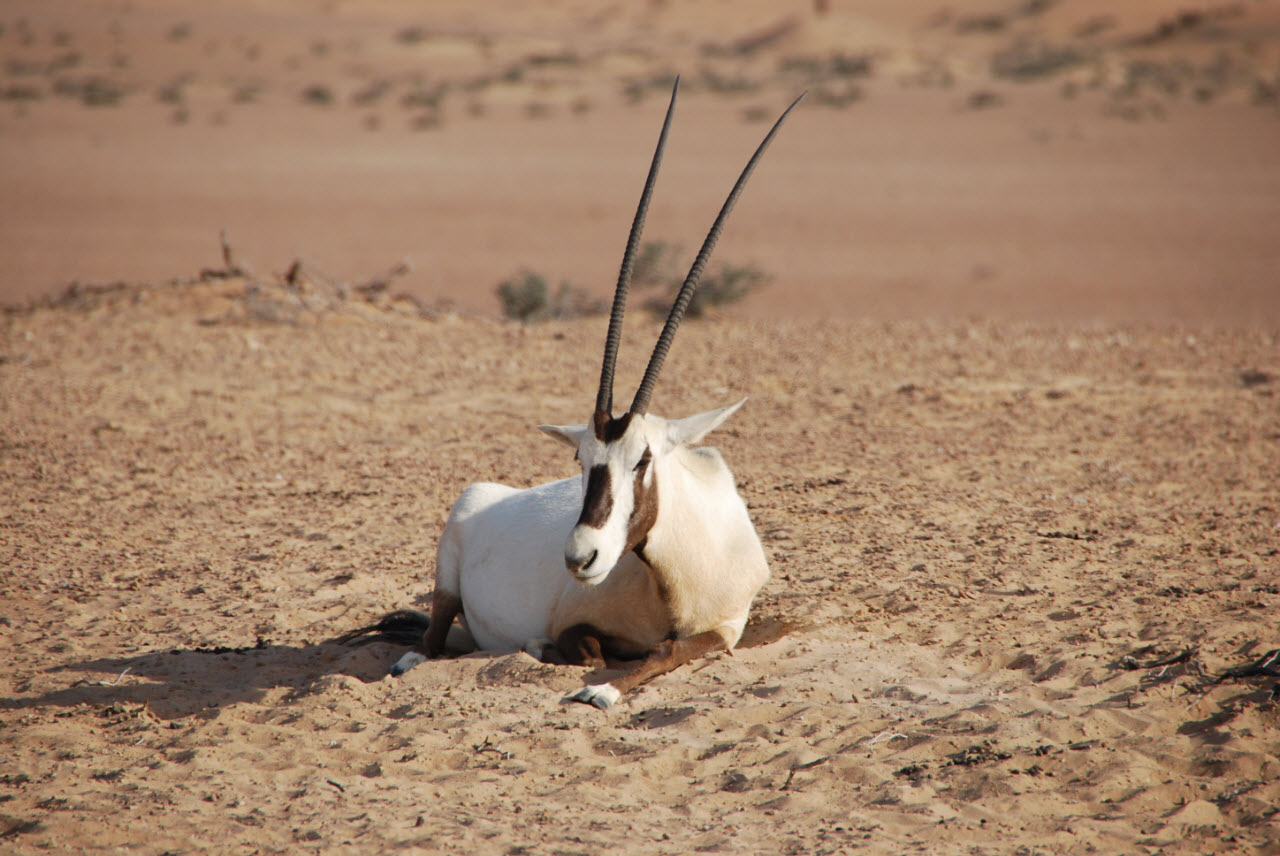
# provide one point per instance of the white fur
(603, 696)
(503, 550)
(407, 662)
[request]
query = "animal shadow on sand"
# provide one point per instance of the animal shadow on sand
(182, 682)
(178, 683)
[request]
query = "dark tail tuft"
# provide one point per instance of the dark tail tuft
(402, 627)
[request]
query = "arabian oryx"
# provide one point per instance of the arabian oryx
(650, 556)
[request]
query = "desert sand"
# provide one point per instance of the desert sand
(1012, 442)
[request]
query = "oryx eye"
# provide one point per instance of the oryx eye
(644, 460)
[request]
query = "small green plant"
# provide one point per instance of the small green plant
(527, 298)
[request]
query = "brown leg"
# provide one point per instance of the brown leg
(669, 655)
(577, 646)
(444, 608)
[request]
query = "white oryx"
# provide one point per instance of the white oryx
(650, 555)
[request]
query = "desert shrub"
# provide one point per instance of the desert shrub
(656, 263)
(246, 93)
(412, 36)
(990, 23)
(424, 96)
(983, 98)
(1027, 60)
(371, 92)
(837, 95)
(658, 267)
(318, 94)
(560, 58)
(527, 298)
(21, 93)
(724, 286)
(850, 65)
(91, 91)
(173, 92)
(834, 66)
(637, 89)
(658, 270)
(725, 84)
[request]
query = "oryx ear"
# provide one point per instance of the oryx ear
(691, 429)
(570, 435)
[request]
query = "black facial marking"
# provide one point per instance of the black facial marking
(606, 428)
(644, 513)
(597, 505)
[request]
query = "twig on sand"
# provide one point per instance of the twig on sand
(791, 774)
(230, 269)
(379, 284)
(1131, 663)
(489, 746)
(1268, 665)
(87, 683)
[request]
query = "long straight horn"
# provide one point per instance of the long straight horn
(604, 398)
(641, 402)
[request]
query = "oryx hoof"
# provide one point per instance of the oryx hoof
(602, 696)
(537, 648)
(407, 662)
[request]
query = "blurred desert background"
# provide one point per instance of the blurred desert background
(1028, 160)
(1012, 444)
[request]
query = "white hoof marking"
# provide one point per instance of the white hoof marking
(407, 662)
(602, 696)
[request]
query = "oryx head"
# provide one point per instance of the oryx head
(622, 456)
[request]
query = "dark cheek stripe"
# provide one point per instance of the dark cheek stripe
(598, 503)
(645, 511)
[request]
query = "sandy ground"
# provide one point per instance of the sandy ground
(1012, 444)
(970, 527)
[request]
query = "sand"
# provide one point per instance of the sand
(1017, 485)
(970, 527)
